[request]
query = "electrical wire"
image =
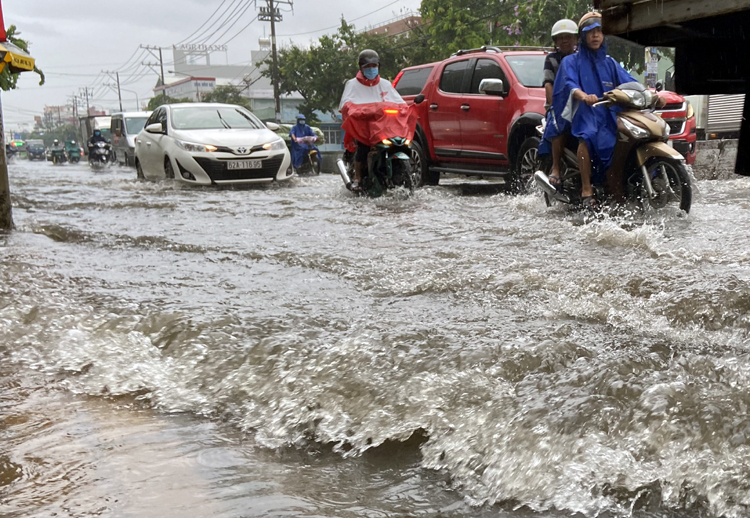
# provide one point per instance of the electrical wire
(225, 16)
(203, 24)
(337, 26)
(230, 27)
(236, 14)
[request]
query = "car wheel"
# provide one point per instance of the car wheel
(420, 167)
(527, 163)
(139, 170)
(168, 171)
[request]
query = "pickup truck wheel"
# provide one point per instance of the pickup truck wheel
(420, 168)
(527, 163)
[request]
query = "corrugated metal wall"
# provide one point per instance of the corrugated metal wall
(724, 112)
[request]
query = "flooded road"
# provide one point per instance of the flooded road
(294, 351)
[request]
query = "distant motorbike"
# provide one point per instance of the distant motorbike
(311, 162)
(644, 168)
(99, 155)
(74, 151)
(57, 155)
(388, 128)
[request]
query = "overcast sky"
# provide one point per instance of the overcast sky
(73, 40)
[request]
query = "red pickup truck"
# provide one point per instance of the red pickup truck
(479, 115)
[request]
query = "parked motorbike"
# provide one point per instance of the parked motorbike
(311, 163)
(74, 151)
(388, 129)
(644, 168)
(57, 155)
(99, 155)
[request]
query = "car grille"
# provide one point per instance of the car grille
(674, 107)
(218, 172)
(676, 127)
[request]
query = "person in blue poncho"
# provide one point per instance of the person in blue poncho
(300, 149)
(582, 79)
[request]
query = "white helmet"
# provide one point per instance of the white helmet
(564, 26)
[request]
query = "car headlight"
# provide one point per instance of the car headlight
(690, 110)
(195, 148)
(275, 145)
(636, 131)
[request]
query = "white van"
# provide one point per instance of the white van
(125, 127)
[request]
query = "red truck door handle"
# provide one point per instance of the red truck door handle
(433, 106)
(465, 107)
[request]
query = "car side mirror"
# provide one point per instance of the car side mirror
(419, 99)
(492, 87)
(154, 128)
(272, 126)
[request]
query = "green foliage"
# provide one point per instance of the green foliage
(160, 99)
(61, 133)
(229, 94)
(8, 81)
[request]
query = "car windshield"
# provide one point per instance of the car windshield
(529, 69)
(134, 125)
(214, 117)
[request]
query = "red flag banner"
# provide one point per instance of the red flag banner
(3, 36)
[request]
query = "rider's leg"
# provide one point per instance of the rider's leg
(584, 165)
(558, 148)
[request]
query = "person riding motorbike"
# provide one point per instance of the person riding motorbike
(582, 80)
(564, 35)
(95, 137)
(300, 150)
(366, 87)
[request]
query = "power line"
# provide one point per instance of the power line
(337, 26)
(223, 18)
(230, 27)
(203, 24)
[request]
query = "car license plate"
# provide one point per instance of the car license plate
(244, 164)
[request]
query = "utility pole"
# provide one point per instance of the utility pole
(271, 13)
(86, 93)
(117, 75)
(149, 48)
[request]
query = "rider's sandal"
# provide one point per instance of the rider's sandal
(556, 182)
(591, 204)
(356, 187)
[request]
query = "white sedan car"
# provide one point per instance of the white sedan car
(210, 143)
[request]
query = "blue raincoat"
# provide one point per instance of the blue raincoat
(300, 150)
(593, 72)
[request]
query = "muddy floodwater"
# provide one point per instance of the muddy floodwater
(294, 351)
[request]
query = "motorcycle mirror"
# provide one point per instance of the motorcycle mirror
(418, 99)
(659, 86)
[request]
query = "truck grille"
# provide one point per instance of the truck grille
(676, 127)
(218, 172)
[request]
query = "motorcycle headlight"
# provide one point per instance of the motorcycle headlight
(275, 145)
(636, 131)
(636, 98)
(195, 148)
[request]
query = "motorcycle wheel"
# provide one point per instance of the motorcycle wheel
(671, 184)
(527, 163)
(403, 175)
(314, 165)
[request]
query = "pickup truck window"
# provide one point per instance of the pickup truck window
(486, 69)
(412, 82)
(528, 69)
(453, 78)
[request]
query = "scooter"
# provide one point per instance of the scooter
(58, 155)
(644, 168)
(99, 155)
(311, 162)
(388, 128)
(74, 152)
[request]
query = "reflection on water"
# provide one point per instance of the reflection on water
(293, 350)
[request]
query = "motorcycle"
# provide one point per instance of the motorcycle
(57, 155)
(311, 162)
(99, 154)
(644, 168)
(74, 152)
(387, 128)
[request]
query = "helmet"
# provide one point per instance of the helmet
(589, 21)
(55, 142)
(368, 57)
(301, 117)
(564, 26)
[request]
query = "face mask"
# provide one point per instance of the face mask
(370, 72)
(301, 123)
